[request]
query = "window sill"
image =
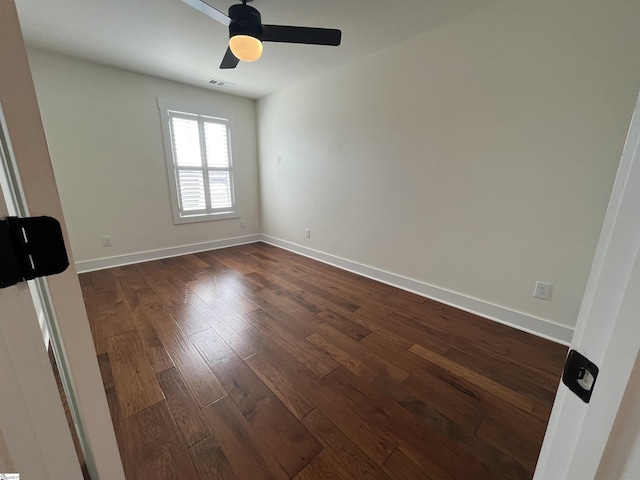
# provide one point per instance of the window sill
(205, 218)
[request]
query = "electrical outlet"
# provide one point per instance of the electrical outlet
(106, 241)
(241, 223)
(543, 290)
(307, 232)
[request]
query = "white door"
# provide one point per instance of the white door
(34, 435)
(608, 334)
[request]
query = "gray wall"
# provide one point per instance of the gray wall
(104, 133)
(476, 158)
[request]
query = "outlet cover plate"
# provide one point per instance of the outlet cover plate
(543, 290)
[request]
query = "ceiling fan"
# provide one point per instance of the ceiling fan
(246, 32)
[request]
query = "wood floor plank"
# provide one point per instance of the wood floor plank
(325, 290)
(136, 385)
(343, 324)
(274, 332)
(231, 262)
(400, 299)
(378, 363)
(343, 357)
(287, 285)
(299, 319)
(280, 385)
(193, 265)
(403, 357)
(201, 381)
(269, 263)
(85, 280)
(115, 317)
(188, 318)
(377, 323)
(133, 287)
(502, 465)
(115, 411)
(153, 447)
(355, 422)
(486, 336)
(241, 340)
(323, 467)
(102, 281)
(105, 371)
(514, 398)
(399, 466)
(268, 279)
(202, 299)
(275, 366)
(292, 445)
(157, 354)
(542, 410)
(514, 433)
(436, 454)
(210, 460)
(421, 332)
(341, 411)
(156, 277)
(238, 302)
(213, 309)
(535, 383)
(344, 451)
(183, 407)
(449, 398)
(248, 456)
(436, 388)
(213, 265)
(341, 288)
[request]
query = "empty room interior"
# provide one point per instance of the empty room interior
(374, 268)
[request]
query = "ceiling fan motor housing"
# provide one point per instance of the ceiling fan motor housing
(245, 20)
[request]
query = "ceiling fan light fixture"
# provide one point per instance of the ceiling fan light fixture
(246, 47)
(246, 32)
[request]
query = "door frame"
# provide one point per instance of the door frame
(607, 332)
(35, 433)
(35, 440)
(24, 125)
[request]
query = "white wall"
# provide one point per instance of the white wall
(104, 134)
(477, 158)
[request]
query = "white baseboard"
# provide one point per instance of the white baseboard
(522, 321)
(139, 257)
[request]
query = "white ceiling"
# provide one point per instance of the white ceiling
(169, 39)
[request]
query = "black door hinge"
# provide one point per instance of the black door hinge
(580, 375)
(30, 247)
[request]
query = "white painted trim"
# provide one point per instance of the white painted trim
(528, 323)
(607, 332)
(139, 257)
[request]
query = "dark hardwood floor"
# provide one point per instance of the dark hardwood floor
(254, 363)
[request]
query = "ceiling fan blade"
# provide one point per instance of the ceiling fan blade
(308, 35)
(208, 10)
(229, 60)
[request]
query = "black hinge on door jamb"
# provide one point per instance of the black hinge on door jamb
(30, 247)
(580, 375)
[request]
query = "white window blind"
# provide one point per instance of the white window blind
(202, 167)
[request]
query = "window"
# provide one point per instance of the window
(200, 166)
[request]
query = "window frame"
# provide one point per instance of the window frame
(201, 114)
